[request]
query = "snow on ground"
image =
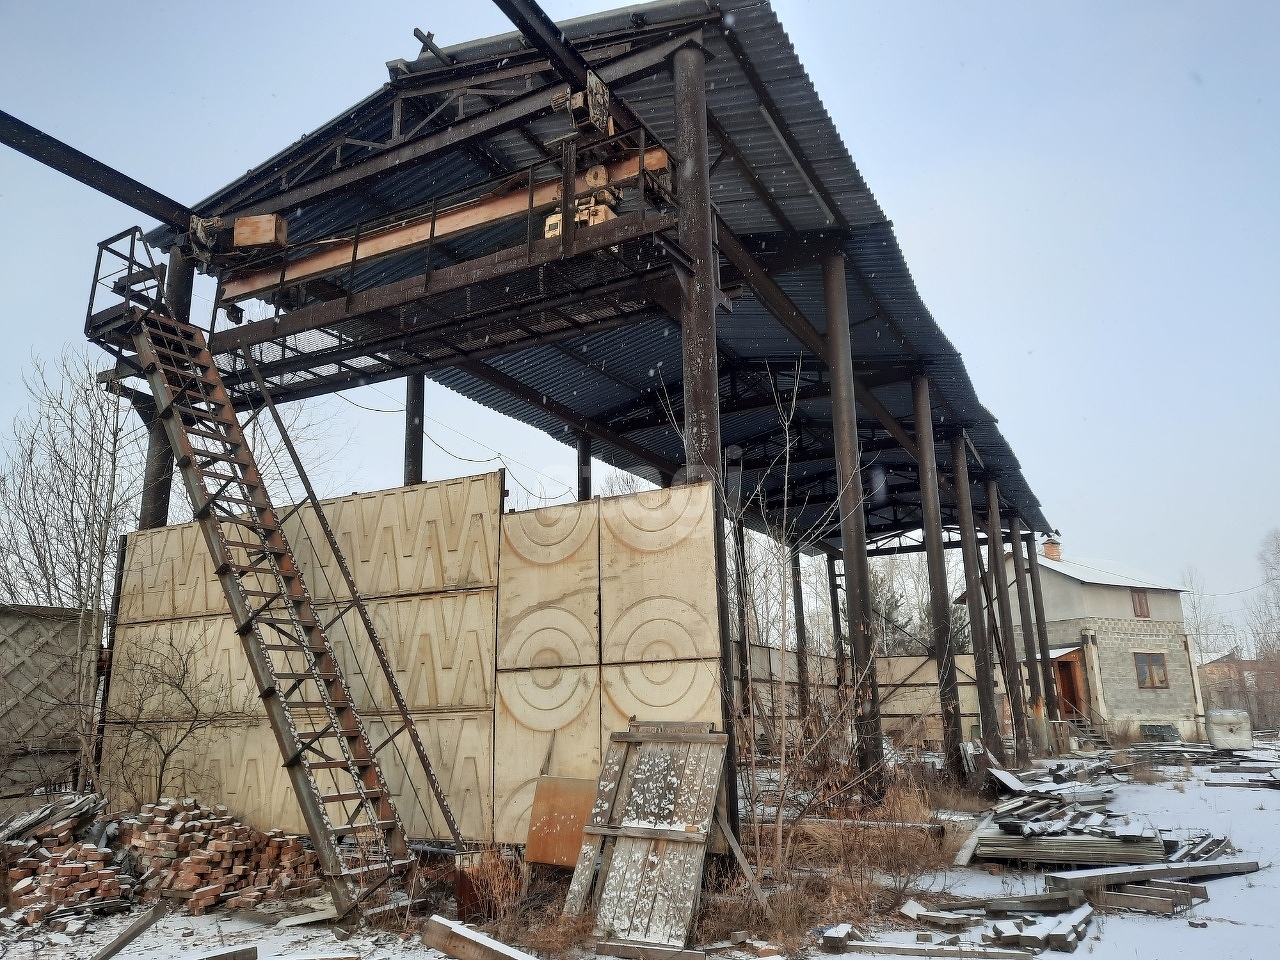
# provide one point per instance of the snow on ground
(1243, 913)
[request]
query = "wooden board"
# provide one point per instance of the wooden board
(1111, 876)
(654, 785)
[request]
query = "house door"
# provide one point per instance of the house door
(1070, 699)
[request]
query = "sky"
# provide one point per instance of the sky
(1086, 193)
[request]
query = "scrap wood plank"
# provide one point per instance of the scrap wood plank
(965, 853)
(643, 951)
(460, 941)
(1110, 876)
(133, 931)
(964, 951)
(649, 828)
(1133, 901)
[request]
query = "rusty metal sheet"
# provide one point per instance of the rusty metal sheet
(561, 807)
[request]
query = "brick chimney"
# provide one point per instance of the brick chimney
(1052, 549)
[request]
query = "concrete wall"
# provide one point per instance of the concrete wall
(1112, 679)
(520, 640)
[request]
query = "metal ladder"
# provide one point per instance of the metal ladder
(332, 765)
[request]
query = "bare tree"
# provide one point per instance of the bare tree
(1214, 634)
(166, 693)
(1262, 613)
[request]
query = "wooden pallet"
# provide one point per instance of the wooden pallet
(648, 831)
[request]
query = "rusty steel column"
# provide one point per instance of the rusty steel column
(698, 347)
(837, 628)
(157, 477)
(697, 289)
(982, 662)
(1008, 652)
(1042, 633)
(744, 641)
(1035, 713)
(802, 639)
(415, 412)
(853, 530)
(584, 466)
(939, 594)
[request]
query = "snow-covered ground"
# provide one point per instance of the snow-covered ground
(1243, 914)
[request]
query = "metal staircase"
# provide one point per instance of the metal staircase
(332, 765)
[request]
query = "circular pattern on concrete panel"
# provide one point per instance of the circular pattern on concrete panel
(548, 696)
(657, 519)
(511, 820)
(547, 637)
(653, 641)
(549, 534)
(659, 628)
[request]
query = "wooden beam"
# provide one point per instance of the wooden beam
(455, 940)
(400, 237)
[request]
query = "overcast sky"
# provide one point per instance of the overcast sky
(1087, 195)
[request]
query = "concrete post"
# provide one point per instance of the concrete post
(1008, 652)
(415, 412)
(939, 594)
(1035, 713)
(853, 529)
(982, 662)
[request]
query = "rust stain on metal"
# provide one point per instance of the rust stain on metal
(561, 808)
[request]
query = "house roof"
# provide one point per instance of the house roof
(784, 179)
(1103, 572)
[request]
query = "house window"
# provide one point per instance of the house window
(1141, 608)
(1151, 671)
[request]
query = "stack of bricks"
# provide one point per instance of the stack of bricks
(203, 855)
(51, 876)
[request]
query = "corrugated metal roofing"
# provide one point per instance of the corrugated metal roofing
(630, 374)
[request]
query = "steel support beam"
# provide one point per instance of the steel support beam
(983, 666)
(584, 466)
(1035, 709)
(943, 648)
(1042, 633)
(157, 478)
(853, 530)
(802, 638)
(1008, 650)
(698, 286)
(66, 159)
(415, 412)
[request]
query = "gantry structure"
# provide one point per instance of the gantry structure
(641, 233)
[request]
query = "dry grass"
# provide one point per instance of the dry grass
(946, 794)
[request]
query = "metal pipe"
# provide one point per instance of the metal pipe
(802, 638)
(584, 466)
(1035, 717)
(982, 663)
(66, 159)
(1042, 633)
(697, 288)
(853, 529)
(1008, 652)
(939, 595)
(415, 412)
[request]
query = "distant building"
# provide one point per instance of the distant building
(1121, 655)
(1232, 682)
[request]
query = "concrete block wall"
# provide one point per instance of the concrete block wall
(1115, 692)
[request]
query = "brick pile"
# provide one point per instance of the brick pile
(52, 875)
(203, 855)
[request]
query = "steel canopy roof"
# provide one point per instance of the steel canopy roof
(781, 178)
